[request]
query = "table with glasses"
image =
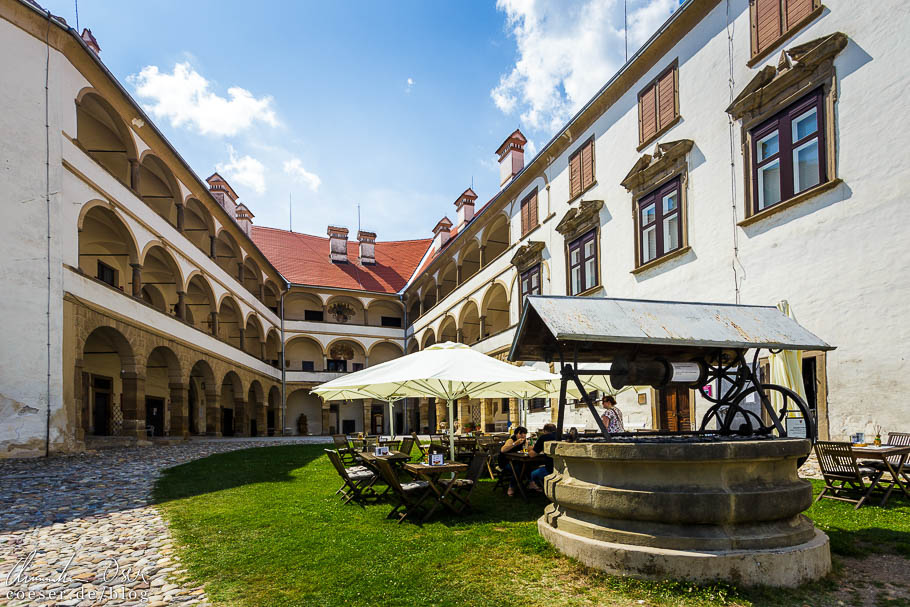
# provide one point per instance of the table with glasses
(431, 475)
(396, 458)
(886, 453)
(522, 464)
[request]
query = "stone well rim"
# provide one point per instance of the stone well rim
(653, 448)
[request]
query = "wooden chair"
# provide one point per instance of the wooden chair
(423, 450)
(437, 439)
(459, 495)
(348, 457)
(358, 480)
(436, 448)
(838, 465)
(491, 450)
(393, 445)
(409, 497)
(407, 445)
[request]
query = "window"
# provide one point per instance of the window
(307, 365)
(773, 20)
(336, 366)
(581, 168)
(315, 315)
(390, 321)
(529, 212)
(583, 263)
(530, 282)
(357, 366)
(107, 274)
(788, 153)
(659, 223)
(536, 404)
(658, 106)
(504, 405)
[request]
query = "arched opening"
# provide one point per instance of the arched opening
(105, 137)
(470, 323)
(160, 280)
(203, 403)
(200, 303)
(497, 239)
(345, 355)
(158, 188)
(447, 280)
(229, 322)
(256, 403)
(470, 260)
(448, 330)
(232, 406)
(273, 415)
(303, 306)
(253, 338)
(273, 348)
(252, 278)
(164, 406)
(105, 404)
(198, 226)
(413, 346)
(429, 296)
(106, 249)
(227, 253)
(303, 354)
(271, 296)
(384, 351)
(495, 311)
(304, 412)
(345, 310)
(429, 338)
(383, 313)
(414, 310)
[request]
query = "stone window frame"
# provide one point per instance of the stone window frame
(651, 172)
(577, 222)
(801, 70)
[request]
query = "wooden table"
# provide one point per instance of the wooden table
(396, 458)
(884, 453)
(526, 463)
(431, 475)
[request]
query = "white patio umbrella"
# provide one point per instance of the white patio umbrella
(447, 371)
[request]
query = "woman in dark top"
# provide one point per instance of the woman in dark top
(516, 442)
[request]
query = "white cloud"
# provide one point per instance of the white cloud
(185, 97)
(244, 170)
(294, 168)
(567, 50)
(409, 86)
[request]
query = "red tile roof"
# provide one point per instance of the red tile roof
(304, 259)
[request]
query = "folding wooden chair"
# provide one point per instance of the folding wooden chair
(459, 496)
(409, 497)
(491, 450)
(358, 480)
(347, 454)
(423, 450)
(407, 444)
(838, 465)
(436, 439)
(895, 439)
(435, 448)
(393, 445)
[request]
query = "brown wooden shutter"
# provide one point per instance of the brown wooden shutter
(666, 98)
(587, 165)
(647, 110)
(797, 10)
(532, 211)
(524, 216)
(574, 175)
(767, 23)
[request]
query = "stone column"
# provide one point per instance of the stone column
(464, 412)
(240, 272)
(181, 217)
(132, 404)
(239, 328)
(262, 350)
(211, 246)
(554, 409)
(212, 412)
(262, 420)
(514, 412)
(262, 292)
(366, 317)
(241, 417)
(134, 175)
(325, 419)
(457, 275)
(483, 256)
(438, 292)
(367, 412)
(213, 322)
(137, 279)
(423, 414)
(459, 336)
(181, 305)
(483, 327)
(179, 410)
(486, 413)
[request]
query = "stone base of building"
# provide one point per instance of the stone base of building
(779, 567)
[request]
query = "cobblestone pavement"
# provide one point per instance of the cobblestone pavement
(83, 523)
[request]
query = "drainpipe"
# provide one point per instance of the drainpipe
(284, 385)
(47, 202)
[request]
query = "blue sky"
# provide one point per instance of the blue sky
(394, 106)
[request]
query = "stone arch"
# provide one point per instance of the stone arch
(448, 279)
(341, 307)
(158, 187)
(470, 260)
(495, 310)
(496, 238)
(104, 136)
(109, 393)
(303, 353)
(429, 294)
(303, 402)
(344, 354)
(252, 278)
(107, 248)
(298, 303)
(164, 393)
(273, 347)
(448, 329)
(161, 271)
(229, 321)
(385, 312)
(413, 346)
(198, 225)
(384, 351)
(414, 310)
(228, 254)
(469, 322)
(203, 412)
(271, 295)
(200, 302)
(233, 405)
(254, 337)
(428, 339)
(256, 402)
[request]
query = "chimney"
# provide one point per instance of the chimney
(367, 242)
(244, 217)
(222, 192)
(465, 206)
(511, 157)
(90, 41)
(338, 244)
(441, 233)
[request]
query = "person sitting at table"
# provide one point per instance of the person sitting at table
(612, 416)
(514, 443)
(538, 474)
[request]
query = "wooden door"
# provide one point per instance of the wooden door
(673, 409)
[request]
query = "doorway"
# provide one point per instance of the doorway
(193, 400)
(673, 413)
(376, 425)
(101, 405)
(227, 422)
(154, 416)
(270, 422)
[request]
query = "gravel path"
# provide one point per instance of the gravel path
(79, 530)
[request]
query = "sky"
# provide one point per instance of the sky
(397, 107)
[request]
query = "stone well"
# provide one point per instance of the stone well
(700, 509)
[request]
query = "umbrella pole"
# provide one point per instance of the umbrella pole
(451, 433)
(391, 421)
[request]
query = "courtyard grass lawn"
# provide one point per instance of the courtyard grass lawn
(263, 527)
